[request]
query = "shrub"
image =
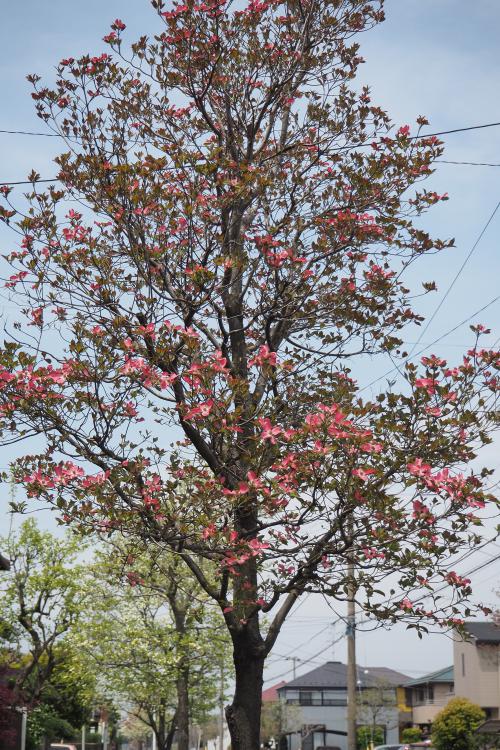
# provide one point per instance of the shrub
(368, 735)
(454, 726)
(411, 734)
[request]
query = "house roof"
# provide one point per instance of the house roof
(4, 563)
(442, 675)
(333, 674)
(483, 632)
(271, 693)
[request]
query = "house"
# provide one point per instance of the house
(477, 666)
(428, 695)
(270, 695)
(315, 705)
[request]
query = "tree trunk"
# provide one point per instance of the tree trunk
(168, 736)
(183, 709)
(243, 715)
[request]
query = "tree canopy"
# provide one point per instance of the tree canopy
(242, 219)
(41, 600)
(154, 640)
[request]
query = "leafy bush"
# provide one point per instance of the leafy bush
(368, 735)
(411, 734)
(454, 726)
(44, 724)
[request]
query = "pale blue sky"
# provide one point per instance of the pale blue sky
(439, 59)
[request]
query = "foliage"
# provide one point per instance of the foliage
(41, 600)
(411, 734)
(375, 701)
(278, 718)
(247, 221)
(44, 724)
(154, 639)
(453, 727)
(369, 736)
(70, 693)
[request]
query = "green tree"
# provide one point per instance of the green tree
(453, 727)
(279, 718)
(41, 599)
(155, 639)
(70, 693)
(45, 725)
(376, 704)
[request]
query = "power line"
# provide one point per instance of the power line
(476, 569)
(30, 182)
(413, 137)
(455, 279)
(467, 163)
(436, 341)
(458, 130)
(29, 132)
(297, 648)
(307, 661)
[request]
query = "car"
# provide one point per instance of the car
(62, 746)
(412, 746)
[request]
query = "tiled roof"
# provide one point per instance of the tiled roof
(333, 674)
(271, 693)
(442, 675)
(483, 632)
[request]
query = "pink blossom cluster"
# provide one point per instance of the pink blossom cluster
(457, 488)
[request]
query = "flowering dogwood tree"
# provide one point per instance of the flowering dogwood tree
(241, 222)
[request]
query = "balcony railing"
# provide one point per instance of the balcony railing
(441, 701)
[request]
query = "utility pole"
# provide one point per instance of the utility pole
(294, 660)
(24, 721)
(351, 659)
(83, 736)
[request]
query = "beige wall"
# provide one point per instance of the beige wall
(425, 713)
(477, 675)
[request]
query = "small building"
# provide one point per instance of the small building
(428, 695)
(315, 705)
(477, 666)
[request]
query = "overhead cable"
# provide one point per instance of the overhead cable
(455, 279)
(436, 341)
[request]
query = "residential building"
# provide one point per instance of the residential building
(477, 662)
(270, 695)
(315, 705)
(428, 695)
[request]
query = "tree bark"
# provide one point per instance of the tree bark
(244, 713)
(183, 709)
(170, 734)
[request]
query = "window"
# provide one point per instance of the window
(310, 698)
